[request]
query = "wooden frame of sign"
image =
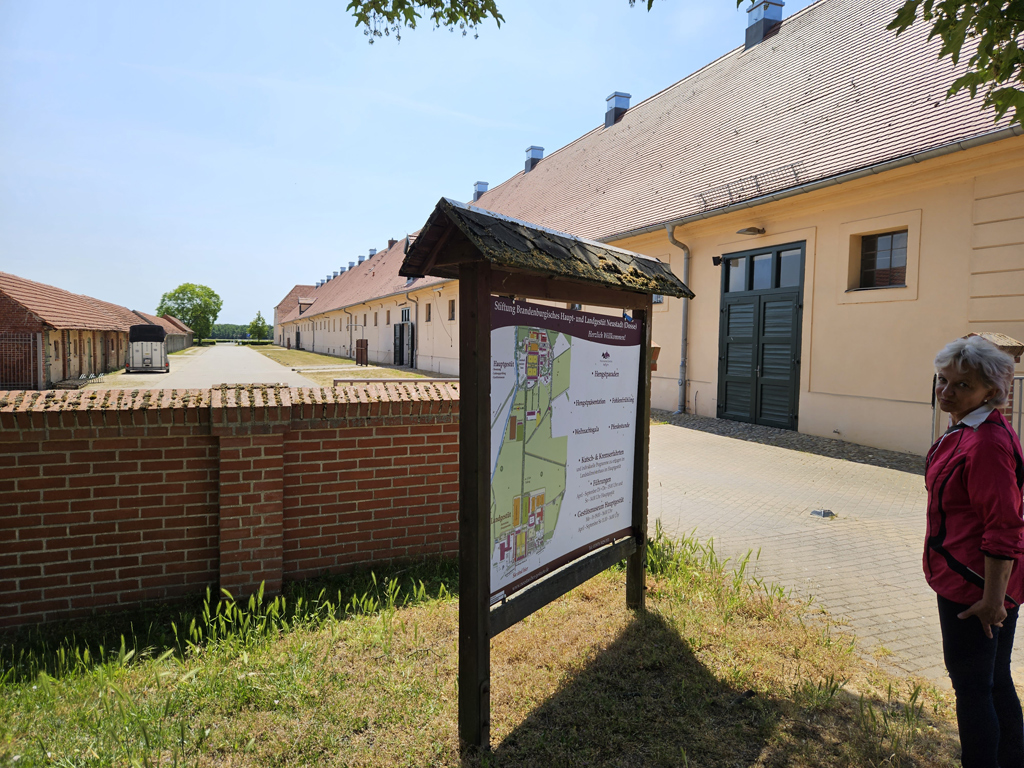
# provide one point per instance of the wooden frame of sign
(481, 279)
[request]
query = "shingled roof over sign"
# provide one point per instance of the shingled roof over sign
(520, 246)
(830, 92)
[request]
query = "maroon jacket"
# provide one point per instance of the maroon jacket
(975, 477)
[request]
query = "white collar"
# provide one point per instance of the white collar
(977, 417)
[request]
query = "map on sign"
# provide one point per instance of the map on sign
(563, 416)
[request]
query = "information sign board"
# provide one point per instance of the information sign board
(563, 414)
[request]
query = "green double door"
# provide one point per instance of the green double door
(759, 348)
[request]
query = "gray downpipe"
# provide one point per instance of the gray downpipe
(670, 230)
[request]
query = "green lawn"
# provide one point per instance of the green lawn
(719, 671)
(295, 358)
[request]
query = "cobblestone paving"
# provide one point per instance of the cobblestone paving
(757, 493)
(785, 438)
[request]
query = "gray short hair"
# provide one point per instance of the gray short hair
(994, 366)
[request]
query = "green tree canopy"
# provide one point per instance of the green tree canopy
(228, 331)
(195, 305)
(996, 66)
(258, 328)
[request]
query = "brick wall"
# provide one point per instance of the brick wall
(16, 359)
(112, 498)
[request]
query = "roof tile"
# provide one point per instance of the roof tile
(832, 91)
(65, 310)
(375, 278)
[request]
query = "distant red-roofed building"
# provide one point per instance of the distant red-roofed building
(371, 301)
(179, 336)
(284, 308)
(48, 334)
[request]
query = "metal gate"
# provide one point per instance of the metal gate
(21, 360)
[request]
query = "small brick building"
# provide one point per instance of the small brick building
(48, 334)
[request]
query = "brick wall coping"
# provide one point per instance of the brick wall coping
(224, 397)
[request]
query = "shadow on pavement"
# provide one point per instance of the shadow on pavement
(795, 441)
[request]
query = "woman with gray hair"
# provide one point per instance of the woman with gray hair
(974, 547)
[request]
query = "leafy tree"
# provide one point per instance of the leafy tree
(258, 328)
(195, 305)
(996, 66)
(228, 331)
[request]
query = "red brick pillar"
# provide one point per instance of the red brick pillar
(251, 512)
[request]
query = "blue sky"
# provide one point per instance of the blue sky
(252, 145)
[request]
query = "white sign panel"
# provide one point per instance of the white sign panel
(563, 425)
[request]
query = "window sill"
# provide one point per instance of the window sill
(874, 288)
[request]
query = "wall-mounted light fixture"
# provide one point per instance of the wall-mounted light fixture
(716, 260)
(750, 231)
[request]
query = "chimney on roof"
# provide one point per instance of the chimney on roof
(335, 275)
(478, 190)
(762, 17)
(392, 242)
(352, 264)
(342, 270)
(361, 258)
(373, 252)
(533, 156)
(618, 103)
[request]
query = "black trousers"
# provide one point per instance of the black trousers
(988, 712)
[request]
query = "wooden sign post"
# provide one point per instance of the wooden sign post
(499, 262)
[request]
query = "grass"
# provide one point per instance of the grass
(297, 358)
(721, 670)
(342, 366)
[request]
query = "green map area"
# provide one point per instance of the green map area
(529, 479)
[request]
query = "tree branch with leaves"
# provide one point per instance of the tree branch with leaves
(386, 18)
(996, 67)
(380, 18)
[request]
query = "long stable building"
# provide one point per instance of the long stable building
(838, 218)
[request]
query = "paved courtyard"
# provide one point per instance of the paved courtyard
(205, 367)
(864, 565)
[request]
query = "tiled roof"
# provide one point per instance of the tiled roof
(167, 322)
(829, 92)
(65, 310)
(289, 302)
(375, 278)
(182, 328)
